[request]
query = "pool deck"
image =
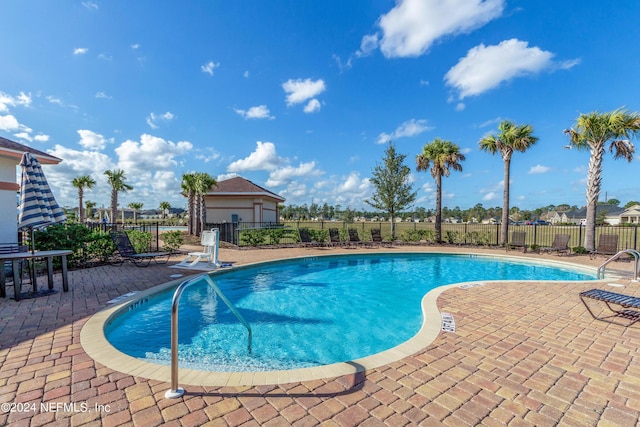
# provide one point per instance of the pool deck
(523, 354)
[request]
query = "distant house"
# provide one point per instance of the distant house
(10, 155)
(240, 200)
(631, 215)
(611, 214)
(555, 217)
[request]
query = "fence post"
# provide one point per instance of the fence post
(498, 235)
(635, 237)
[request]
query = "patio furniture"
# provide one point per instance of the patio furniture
(208, 242)
(560, 244)
(128, 252)
(334, 237)
(23, 257)
(607, 245)
(622, 306)
(376, 238)
(354, 238)
(518, 240)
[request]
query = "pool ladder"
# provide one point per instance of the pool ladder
(632, 252)
(176, 391)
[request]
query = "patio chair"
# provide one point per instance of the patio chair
(334, 237)
(518, 240)
(208, 242)
(354, 238)
(128, 252)
(305, 238)
(6, 269)
(622, 306)
(607, 245)
(376, 238)
(560, 244)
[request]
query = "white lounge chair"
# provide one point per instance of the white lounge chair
(209, 242)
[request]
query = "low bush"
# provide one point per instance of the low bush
(253, 238)
(172, 240)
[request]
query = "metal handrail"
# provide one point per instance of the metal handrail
(633, 252)
(176, 391)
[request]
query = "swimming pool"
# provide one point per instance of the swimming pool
(307, 312)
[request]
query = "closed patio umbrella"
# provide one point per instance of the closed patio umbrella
(38, 208)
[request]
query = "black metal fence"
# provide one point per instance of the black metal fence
(489, 234)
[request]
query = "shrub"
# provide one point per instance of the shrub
(253, 237)
(99, 246)
(318, 235)
(140, 240)
(453, 237)
(275, 235)
(71, 236)
(172, 240)
(579, 250)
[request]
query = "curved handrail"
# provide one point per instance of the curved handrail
(633, 252)
(176, 391)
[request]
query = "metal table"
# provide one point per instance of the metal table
(48, 256)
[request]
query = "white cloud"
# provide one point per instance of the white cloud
(263, 158)
(54, 100)
(135, 46)
(257, 112)
(537, 169)
(209, 156)
(299, 90)
(246, 74)
(485, 67)
(153, 119)
(225, 176)
(368, 44)
(92, 141)
(23, 135)
(7, 100)
(412, 26)
(105, 57)
(80, 51)
(102, 95)
(409, 128)
(90, 5)
(490, 196)
(285, 174)
(9, 123)
(150, 153)
(312, 106)
(209, 67)
(41, 137)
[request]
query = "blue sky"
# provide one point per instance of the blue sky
(301, 96)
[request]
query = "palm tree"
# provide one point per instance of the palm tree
(136, 207)
(439, 156)
(189, 190)
(116, 180)
(510, 138)
(204, 182)
(89, 205)
(82, 182)
(592, 132)
(164, 207)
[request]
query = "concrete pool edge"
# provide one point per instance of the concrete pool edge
(96, 345)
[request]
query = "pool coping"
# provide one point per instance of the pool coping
(95, 344)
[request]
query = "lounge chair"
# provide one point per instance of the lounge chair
(305, 238)
(560, 244)
(208, 242)
(607, 245)
(376, 238)
(354, 238)
(334, 237)
(518, 240)
(128, 253)
(622, 306)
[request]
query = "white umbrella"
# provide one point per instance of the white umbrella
(38, 208)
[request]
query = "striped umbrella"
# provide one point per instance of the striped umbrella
(38, 208)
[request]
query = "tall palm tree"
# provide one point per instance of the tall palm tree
(188, 185)
(117, 182)
(82, 182)
(204, 182)
(592, 132)
(136, 206)
(439, 156)
(164, 207)
(511, 138)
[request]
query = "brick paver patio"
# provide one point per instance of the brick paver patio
(523, 354)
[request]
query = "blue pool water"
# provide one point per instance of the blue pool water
(306, 312)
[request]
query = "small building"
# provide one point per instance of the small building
(631, 215)
(10, 155)
(240, 200)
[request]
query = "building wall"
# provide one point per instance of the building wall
(8, 201)
(247, 209)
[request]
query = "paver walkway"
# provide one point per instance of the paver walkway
(523, 354)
